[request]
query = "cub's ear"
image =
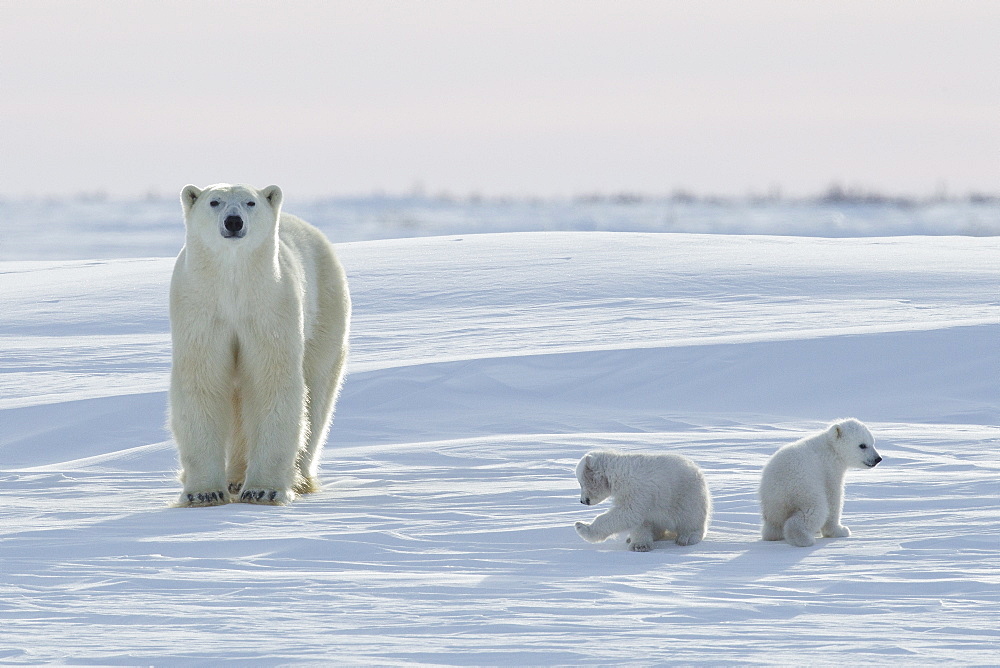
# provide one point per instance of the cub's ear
(189, 195)
(273, 196)
(840, 427)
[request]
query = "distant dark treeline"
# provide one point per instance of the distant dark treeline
(834, 195)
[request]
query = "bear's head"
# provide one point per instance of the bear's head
(594, 486)
(853, 443)
(226, 214)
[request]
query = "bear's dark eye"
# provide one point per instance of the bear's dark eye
(214, 203)
(863, 446)
(251, 203)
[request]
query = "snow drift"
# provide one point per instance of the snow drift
(482, 368)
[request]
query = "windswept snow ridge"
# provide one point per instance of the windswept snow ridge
(482, 368)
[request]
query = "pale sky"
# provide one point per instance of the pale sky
(542, 97)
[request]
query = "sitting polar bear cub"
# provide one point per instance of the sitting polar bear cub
(259, 317)
(802, 486)
(655, 497)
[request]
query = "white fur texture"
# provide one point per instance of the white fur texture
(802, 486)
(654, 497)
(259, 318)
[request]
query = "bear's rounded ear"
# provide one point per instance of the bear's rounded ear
(273, 196)
(189, 195)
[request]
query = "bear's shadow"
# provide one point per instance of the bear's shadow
(767, 558)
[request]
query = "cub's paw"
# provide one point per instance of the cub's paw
(836, 532)
(688, 539)
(639, 545)
(201, 499)
(265, 497)
(583, 529)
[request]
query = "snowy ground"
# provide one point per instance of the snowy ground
(482, 368)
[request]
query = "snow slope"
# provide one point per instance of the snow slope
(482, 368)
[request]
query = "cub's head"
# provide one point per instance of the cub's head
(225, 214)
(854, 443)
(594, 486)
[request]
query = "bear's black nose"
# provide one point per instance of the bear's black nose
(234, 223)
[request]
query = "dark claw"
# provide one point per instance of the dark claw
(205, 498)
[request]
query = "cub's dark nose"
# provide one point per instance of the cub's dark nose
(877, 460)
(234, 223)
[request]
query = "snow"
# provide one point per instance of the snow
(482, 367)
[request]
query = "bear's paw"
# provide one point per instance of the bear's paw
(583, 529)
(688, 539)
(639, 545)
(836, 532)
(202, 499)
(265, 497)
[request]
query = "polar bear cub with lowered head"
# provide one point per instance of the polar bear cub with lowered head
(654, 497)
(259, 317)
(802, 486)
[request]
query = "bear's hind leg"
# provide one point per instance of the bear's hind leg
(641, 538)
(799, 530)
(323, 382)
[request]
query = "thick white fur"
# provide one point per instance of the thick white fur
(655, 497)
(802, 486)
(259, 320)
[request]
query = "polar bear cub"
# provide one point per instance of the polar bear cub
(259, 318)
(655, 497)
(802, 486)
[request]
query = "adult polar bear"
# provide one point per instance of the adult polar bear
(802, 485)
(259, 318)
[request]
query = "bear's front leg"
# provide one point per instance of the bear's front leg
(832, 528)
(274, 419)
(604, 525)
(199, 419)
(771, 531)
